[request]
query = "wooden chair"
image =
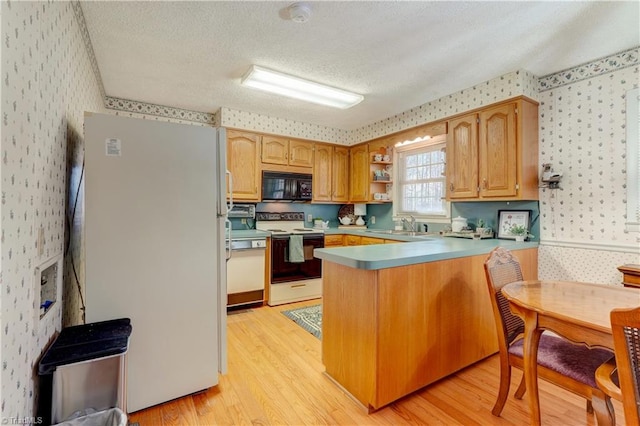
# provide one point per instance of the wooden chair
(621, 379)
(572, 367)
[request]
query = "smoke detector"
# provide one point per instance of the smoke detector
(299, 12)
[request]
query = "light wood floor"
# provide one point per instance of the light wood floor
(276, 377)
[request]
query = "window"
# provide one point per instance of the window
(420, 181)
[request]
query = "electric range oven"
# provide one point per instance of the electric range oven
(298, 280)
(282, 270)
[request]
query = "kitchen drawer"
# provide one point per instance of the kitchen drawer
(332, 240)
(295, 291)
(351, 240)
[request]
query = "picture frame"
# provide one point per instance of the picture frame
(508, 218)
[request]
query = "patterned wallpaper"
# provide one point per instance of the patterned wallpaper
(504, 87)
(583, 135)
(47, 83)
(500, 88)
(282, 126)
(160, 112)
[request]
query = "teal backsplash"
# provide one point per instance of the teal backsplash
(325, 211)
(487, 210)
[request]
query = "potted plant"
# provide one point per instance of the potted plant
(319, 223)
(520, 232)
(480, 229)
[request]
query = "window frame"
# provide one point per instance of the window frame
(440, 143)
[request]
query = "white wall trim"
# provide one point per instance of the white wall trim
(591, 246)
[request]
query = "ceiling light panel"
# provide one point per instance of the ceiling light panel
(298, 88)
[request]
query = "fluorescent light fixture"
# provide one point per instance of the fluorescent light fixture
(294, 87)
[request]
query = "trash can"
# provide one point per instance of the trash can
(110, 417)
(84, 371)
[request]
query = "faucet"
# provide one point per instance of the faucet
(411, 223)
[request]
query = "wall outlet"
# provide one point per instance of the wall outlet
(309, 217)
(373, 220)
(243, 221)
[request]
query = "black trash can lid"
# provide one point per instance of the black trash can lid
(86, 342)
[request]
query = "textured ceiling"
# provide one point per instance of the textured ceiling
(399, 55)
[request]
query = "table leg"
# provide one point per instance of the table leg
(531, 340)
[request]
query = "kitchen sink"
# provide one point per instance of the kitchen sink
(399, 232)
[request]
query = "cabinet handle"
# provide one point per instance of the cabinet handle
(451, 186)
(484, 183)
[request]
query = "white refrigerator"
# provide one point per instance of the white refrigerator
(155, 223)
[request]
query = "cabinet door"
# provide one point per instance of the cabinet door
(243, 161)
(366, 241)
(340, 174)
(322, 176)
(333, 240)
(275, 150)
(300, 153)
(497, 151)
(462, 157)
(359, 165)
(351, 240)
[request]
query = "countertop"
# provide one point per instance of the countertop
(248, 233)
(415, 250)
(412, 251)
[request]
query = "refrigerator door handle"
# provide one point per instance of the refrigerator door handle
(230, 190)
(228, 228)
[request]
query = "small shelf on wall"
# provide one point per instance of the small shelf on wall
(384, 163)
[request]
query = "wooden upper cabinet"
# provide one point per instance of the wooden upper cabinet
(340, 174)
(462, 157)
(497, 151)
(359, 167)
(493, 153)
(300, 153)
(322, 172)
(243, 161)
(283, 151)
(275, 150)
(330, 173)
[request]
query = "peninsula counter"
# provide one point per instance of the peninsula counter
(397, 317)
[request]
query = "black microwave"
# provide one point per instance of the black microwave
(281, 186)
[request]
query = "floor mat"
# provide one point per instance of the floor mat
(309, 318)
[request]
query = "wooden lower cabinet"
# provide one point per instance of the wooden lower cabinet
(333, 240)
(387, 333)
(352, 240)
(365, 241)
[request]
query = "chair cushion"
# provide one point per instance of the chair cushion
(562, 356)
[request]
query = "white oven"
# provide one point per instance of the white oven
(301, 279)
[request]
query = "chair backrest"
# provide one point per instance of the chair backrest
(502, 268)
(625, 325)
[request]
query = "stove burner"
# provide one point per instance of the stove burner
(276, 230)
(303, 229)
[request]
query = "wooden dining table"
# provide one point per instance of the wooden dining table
(575, 310)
